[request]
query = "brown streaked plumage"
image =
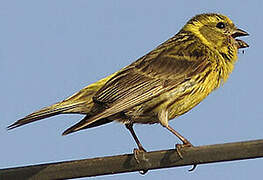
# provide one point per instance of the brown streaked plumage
(165, 83)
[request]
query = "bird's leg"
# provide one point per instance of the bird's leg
(186, 143)
(163, 118)
(129, 126)
(138, 153)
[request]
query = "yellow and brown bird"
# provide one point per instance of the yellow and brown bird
(163, 84)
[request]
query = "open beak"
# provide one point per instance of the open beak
(239, 33)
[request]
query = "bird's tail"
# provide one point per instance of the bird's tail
(45, 113)
(79, 103)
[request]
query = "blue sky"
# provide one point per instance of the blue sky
(52, 49)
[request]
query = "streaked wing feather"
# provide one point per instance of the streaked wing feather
(125, 86)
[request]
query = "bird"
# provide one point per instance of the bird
(162, 85)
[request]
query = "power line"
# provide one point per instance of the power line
(127, 162)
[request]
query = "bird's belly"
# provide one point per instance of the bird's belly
(192, 96)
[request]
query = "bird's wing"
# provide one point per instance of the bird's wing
(160, 70)
(153, 74)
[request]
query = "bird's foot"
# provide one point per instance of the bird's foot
(139, 155)
(181, 146)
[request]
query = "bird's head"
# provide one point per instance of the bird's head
(216, 30)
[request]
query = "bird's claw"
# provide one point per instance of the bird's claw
(181, 146)
(193, 168)
(178, 150)
(139, 156)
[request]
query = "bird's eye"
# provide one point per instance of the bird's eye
(221, 25)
